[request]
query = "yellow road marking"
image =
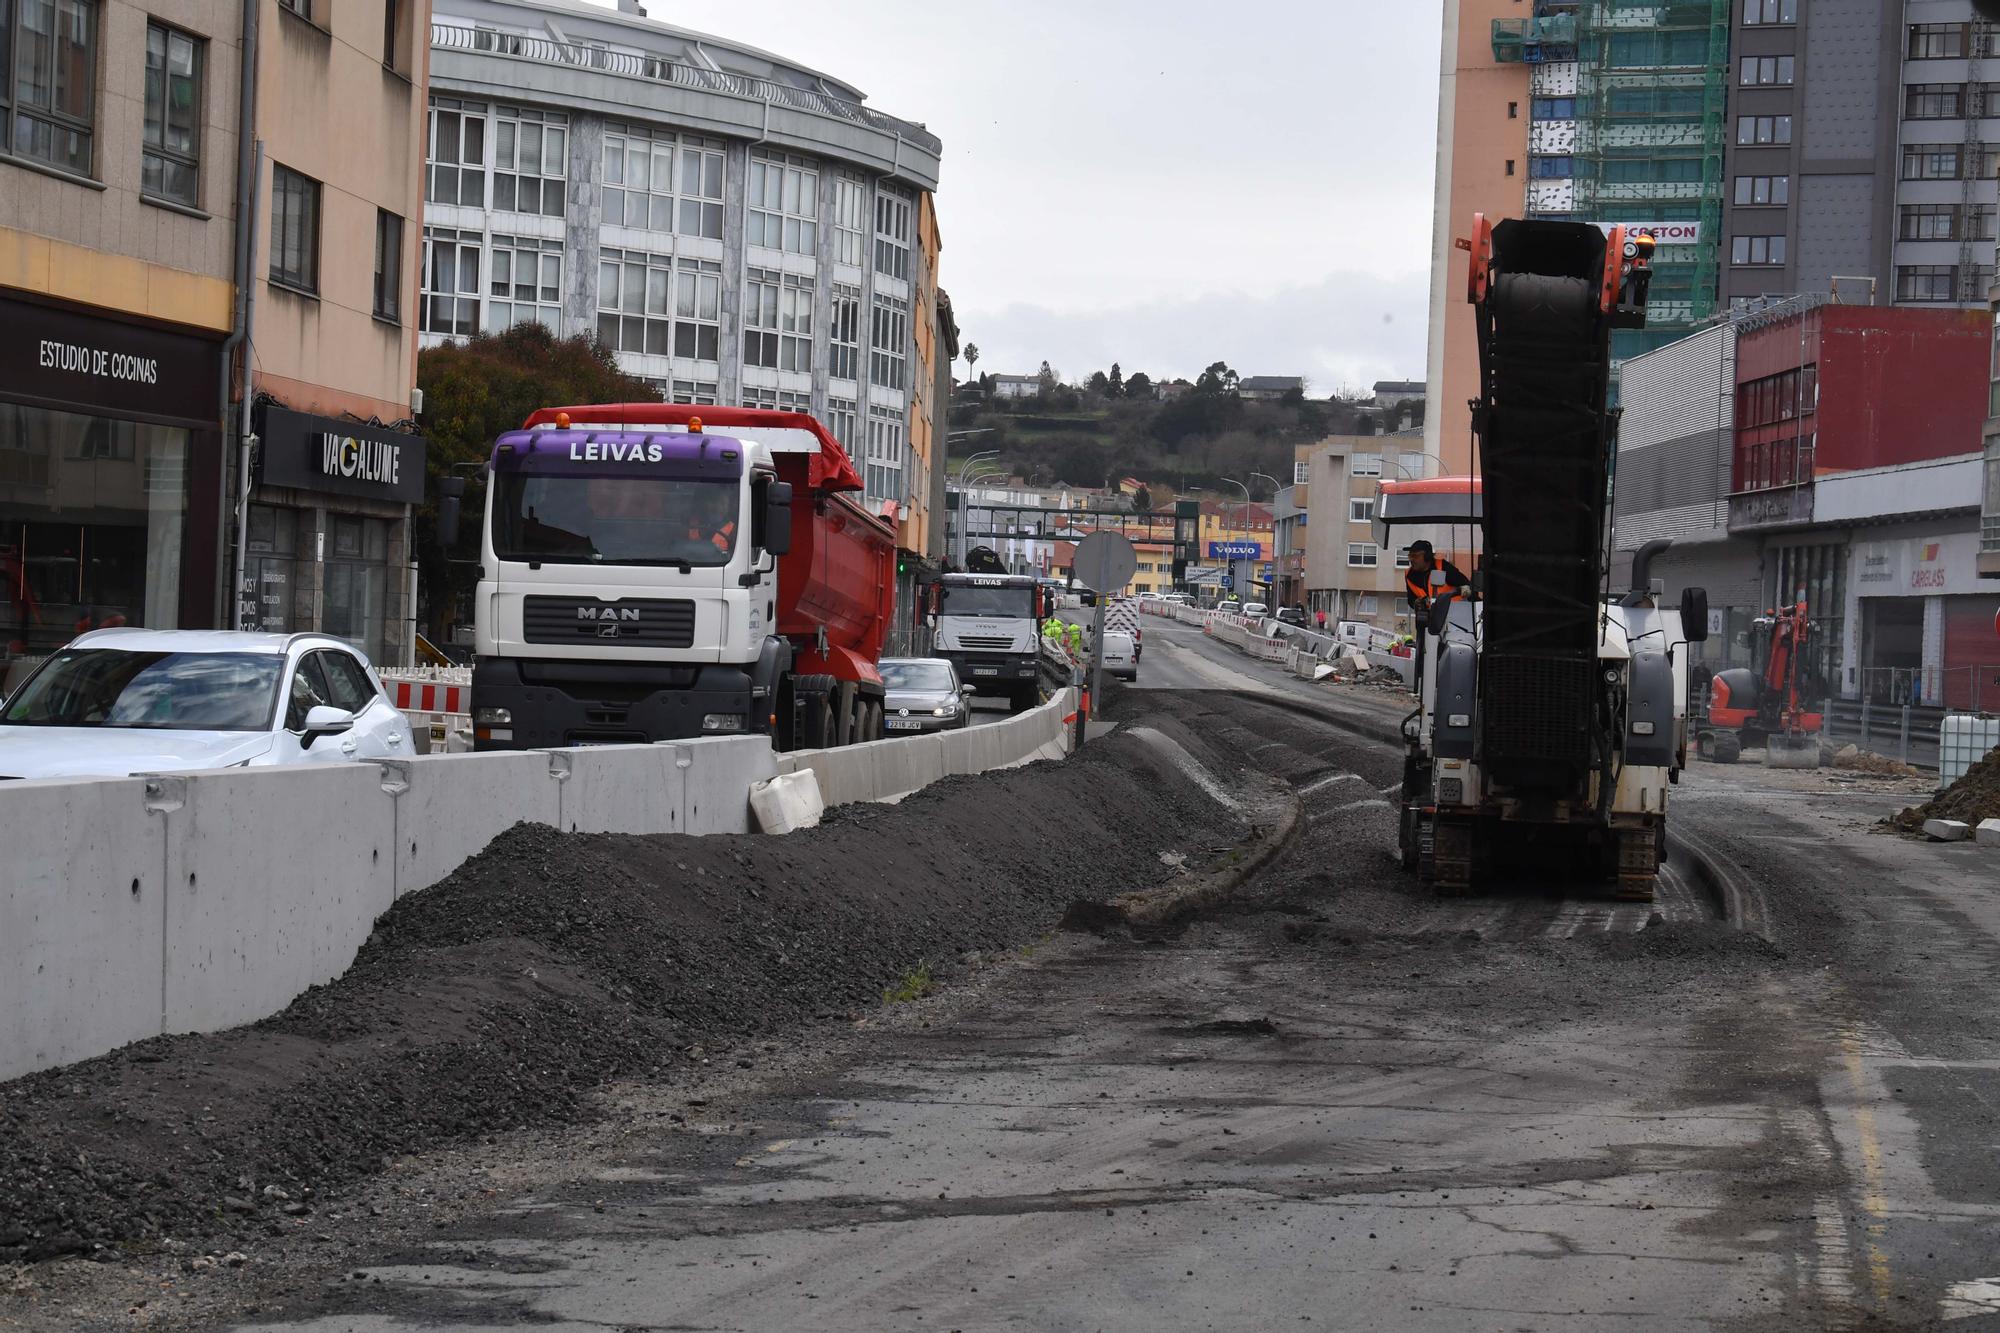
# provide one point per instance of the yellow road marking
(1874, 1197)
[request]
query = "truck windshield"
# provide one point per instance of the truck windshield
(974, 600)
(622, 520)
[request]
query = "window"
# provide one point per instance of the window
(303, 8)
(1759, 191)
(1361, 511)
(1553, 108)
(1362, 555)
(294, 230)
(1979, 223)
(892, 235)
(456, 170)
(1937, 41)
(778, 400)
(170, 167)
(1402, 557)
(634, 312)
(530, 160)
(883, 474)
(698, 310)
(392, 29)
(850, 215)
(1933, 101)
(524, 283)
(1365, 465)
(840, 423)
(1757, 12)
(1551, 168)
(699, 393)
(1301, 474)
(783, 204)
(1757, 250)
(1927, 222)
(846, 333)
(52, 45)
(777, 321)
(889, 342)
(1763, 129)
(701, 191)
(638, 189)
(1757, 70)
(1931, 162)
(1926, 282)
(388, 266)
(450, 301)
(1510, 166)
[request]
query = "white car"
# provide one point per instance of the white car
(1256, 610)
(1121, 654)
(121, 701)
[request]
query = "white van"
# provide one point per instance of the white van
(1121, 655)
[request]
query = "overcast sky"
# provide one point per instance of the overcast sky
(1156, 182)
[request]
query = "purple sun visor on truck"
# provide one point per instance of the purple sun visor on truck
(620, 453)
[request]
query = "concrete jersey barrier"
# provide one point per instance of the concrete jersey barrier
(191, 902)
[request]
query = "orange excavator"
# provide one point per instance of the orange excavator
(1764, 706)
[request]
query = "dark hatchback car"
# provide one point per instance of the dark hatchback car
(1292, 615)
(924, 694)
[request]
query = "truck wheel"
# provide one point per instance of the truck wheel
(871, 720)
(812, 703)
(1728, 747)
(1704, 745)
(1406, 838)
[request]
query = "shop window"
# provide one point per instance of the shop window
(111, 553)
(356, 572)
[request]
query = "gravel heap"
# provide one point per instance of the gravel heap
(551, 963)
(1974, 797)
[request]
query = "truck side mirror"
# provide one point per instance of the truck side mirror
(777, 517)
(451, 494)
(1694, 615)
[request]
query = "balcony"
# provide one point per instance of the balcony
(1534, 40)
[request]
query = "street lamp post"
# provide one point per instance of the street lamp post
(964, 509)
(1243, 514)
(1275, 488)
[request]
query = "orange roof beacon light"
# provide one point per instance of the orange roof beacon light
(694, 425)
(562, 421)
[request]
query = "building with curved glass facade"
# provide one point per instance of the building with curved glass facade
(739, 228)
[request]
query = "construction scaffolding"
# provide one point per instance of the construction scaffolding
(1629, 124)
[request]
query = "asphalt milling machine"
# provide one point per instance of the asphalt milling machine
(1552, 712)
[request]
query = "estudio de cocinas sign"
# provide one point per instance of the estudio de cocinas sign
(316, 453)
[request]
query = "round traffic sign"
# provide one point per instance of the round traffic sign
(1105, 561)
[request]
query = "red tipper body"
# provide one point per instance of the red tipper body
(840, 575)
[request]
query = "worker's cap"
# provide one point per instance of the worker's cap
(1421, 545)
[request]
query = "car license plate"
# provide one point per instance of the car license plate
(986, 671)
(901, 723)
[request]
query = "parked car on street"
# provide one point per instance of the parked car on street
(1256, 610)
(115, 702)
(924, 694)
(1292, 615)
(1121, 655)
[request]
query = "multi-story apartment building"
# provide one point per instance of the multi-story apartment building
(737, 227)
(1626, 125)
(1482, 162)
(1348, 573)
(1862, 152)
(147, 255)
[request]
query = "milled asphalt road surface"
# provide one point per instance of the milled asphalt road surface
(1335, 1102)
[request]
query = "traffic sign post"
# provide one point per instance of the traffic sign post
(1106, 562)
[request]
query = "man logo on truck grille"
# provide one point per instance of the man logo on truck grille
(607, 613)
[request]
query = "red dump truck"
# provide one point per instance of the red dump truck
(654, 572)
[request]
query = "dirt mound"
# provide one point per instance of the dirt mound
(553, 962)
(1974, 797)
(1856, 760)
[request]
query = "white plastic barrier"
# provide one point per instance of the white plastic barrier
(1963, 740)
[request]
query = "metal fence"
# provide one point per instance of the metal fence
(582, 55)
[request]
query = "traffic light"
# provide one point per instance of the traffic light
(902, 566)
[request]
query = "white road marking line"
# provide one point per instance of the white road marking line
(1361, 804)
(1328, 781)
(1964, 1300)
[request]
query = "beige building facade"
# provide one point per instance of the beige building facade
(1349, 573)
(1482, 167)
(126, 318)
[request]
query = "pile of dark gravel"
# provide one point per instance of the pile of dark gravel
(551, 963)
(1974, 797)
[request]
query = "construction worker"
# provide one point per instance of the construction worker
(717, 522)
(1075, 641)
(1053, 628)
(1417, 578)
